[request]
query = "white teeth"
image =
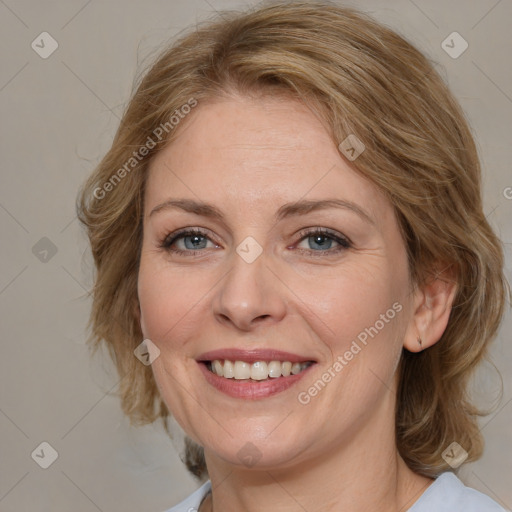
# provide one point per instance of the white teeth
(242, 370)
(275, 369)
(260, 370)
(217, 365)
(296, 368)
(228, 369)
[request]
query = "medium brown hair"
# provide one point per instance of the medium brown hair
(362, 79)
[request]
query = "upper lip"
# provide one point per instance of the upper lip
(251, 356)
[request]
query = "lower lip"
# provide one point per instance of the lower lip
(251, 389)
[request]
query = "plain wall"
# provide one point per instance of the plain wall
(59, 116)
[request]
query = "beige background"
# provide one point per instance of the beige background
(58, 118)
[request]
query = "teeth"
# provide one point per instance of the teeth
(218, 368)
(296, 368)
(242, 370)
(275, 369)
(260, 370)
(228, 369)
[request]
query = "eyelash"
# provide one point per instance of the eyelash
(171, 238)
(343, 242)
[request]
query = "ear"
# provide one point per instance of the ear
(432, 307)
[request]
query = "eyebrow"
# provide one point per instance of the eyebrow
(304, 207)
(301, 207)
(190, 206)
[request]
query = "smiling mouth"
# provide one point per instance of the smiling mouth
(257, 371)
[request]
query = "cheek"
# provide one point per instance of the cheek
(167, 297)
(167, 319)
(345, 302)
(167, 377)
(358, 316)
(182, 405)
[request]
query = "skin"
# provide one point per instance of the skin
(248, 157)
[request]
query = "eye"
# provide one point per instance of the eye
(187, 241)
(191, 242)
(322, 240)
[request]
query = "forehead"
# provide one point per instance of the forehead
(252, 151)
(248, 128)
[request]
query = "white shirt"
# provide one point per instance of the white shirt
(446, 494)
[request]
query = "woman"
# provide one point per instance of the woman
(290, 218)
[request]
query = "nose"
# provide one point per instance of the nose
(249, 296)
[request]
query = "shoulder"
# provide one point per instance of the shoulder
(449, 494)
(191, 504)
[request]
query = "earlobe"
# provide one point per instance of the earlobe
(432, 308)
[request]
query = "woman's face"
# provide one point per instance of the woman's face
(261, 244)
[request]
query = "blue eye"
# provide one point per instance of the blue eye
(187, 241)
(315, 241)
(321, 240)
(194, 241)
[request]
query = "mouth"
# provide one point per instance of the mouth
(256, 371)
(253, 374)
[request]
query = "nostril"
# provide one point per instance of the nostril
(227, 319)
(261, 317)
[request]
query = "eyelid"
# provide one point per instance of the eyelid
(340, 238)
(170, 238)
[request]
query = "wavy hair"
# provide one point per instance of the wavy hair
(361, 78)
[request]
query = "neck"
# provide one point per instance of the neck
(364, 472)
